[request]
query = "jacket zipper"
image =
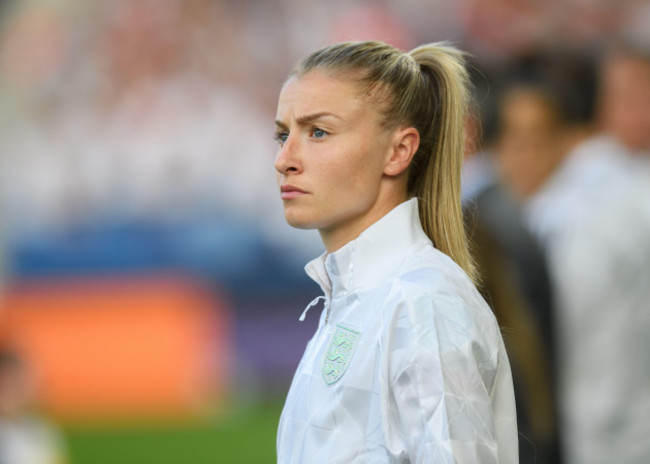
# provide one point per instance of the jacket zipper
(327, 314)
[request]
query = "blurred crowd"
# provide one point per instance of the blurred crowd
(138, 133)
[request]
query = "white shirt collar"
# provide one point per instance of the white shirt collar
(373, 256)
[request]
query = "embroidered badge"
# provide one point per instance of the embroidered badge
(339, 353)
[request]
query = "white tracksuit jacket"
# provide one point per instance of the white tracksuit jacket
(407, 364)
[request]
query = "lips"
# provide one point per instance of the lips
(287, 192)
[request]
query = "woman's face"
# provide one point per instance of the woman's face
(330, 165)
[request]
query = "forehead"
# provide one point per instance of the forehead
(320, 91)
(526, 108)
(528, 98)
(626, 68)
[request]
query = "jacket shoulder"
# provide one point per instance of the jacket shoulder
(432, 288)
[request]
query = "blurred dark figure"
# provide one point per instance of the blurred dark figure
(25, 438)
(515, 282)
(545, 107)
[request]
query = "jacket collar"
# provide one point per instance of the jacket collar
(372, 257)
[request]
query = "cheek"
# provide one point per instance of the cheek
(355, 176)
(365, 163)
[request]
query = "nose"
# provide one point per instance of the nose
(288, 158)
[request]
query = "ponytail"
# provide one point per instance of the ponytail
(434, 176)
(428, 89)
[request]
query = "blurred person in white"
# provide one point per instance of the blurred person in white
(25, 437)
(585, 198)
(596, 157)
(604, 258)
(407, 364)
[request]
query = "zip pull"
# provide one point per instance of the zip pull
(327, 314)
(313, 302)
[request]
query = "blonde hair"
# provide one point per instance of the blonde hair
(427, 88)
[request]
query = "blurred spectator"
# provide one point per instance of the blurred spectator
(584, 202)
(529, 148)
(545, 103)
(25, 437)
(624, 110)
(602, 258)
(515, 282)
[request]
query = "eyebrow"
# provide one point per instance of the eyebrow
(309, 118)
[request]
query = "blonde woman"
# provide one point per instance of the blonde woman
(407, 364)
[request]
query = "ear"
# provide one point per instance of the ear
(404, 145)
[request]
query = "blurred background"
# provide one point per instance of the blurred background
(150, 289)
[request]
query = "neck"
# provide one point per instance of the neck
(341, 234)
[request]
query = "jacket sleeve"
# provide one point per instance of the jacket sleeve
(445, 376)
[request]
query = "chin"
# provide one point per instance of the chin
(299, 219)
(300, 223)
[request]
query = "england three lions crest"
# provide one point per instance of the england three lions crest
(339, 353)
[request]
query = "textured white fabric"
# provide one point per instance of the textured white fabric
(594, 217)
(603, 269)
(421, 373)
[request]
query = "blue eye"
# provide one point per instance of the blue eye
(281, 137)
(318, 133)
